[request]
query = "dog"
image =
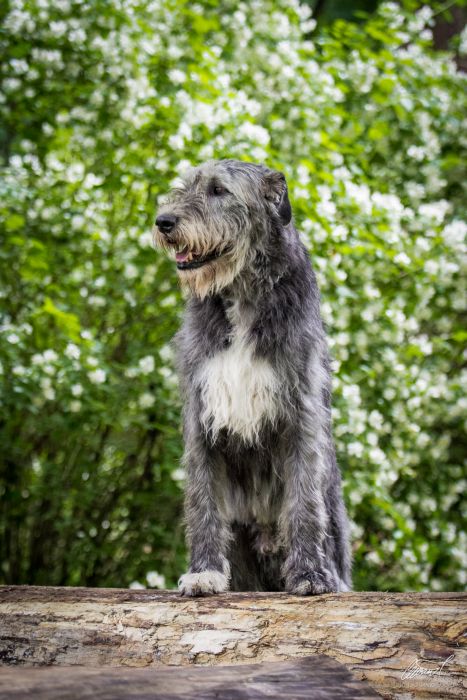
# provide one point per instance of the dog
(264, 507)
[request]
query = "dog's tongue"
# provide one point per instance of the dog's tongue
(183, 255)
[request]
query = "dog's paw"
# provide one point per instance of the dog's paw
(312, 583)
(203, 583)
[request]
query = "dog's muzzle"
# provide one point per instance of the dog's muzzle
(185, 258)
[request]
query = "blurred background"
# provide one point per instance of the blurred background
(103, 104)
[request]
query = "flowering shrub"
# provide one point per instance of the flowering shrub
(103, 106)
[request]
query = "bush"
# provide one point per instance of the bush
(104, 105)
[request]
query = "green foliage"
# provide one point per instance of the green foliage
(104, 104)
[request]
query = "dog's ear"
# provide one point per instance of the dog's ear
(276, 192)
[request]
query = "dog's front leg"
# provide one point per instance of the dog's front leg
(304, 520)
(207, 532)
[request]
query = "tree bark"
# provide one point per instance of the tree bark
(406, 645)
(318, 677)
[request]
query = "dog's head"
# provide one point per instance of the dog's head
(218, 219)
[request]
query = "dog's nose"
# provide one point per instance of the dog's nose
(166, 222)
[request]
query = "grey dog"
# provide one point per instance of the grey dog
(264, 507)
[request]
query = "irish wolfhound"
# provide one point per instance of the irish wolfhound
(264, 508)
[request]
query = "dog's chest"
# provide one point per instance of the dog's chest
(238, 390)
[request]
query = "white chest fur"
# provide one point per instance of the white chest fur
(238, 391)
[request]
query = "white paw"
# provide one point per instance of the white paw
(204, 583)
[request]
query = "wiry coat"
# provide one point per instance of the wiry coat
(264, 507)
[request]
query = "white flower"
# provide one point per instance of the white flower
(136, 586)
(375, 419)
(155, 580)
(11, 84)
(19, 65)
(415, 190)
(253, 132)
(77, 36)
(355, 449)
(58, 28)
(463, 42)
(75, 406)
(46, 386)
(77, 389)
(361, 196)
(431, 267)
(169, 300)
(146, 400)
(326, 209)
(402, 259)
(425, 15)
(77, 222)
(98, 376)
(50, 356)
(340, 232)
(146, 240)
(303, 175)
(373, 557)
(424, 344)
(96, 300)
(301, 193)
(130, 271)
(72, 351)
(176, 142)
(455, 234)
(166, 353)
(177, 76)
(416, 152)
(178, 474)
(377, 455)
(147, 364)
(351, 393)
(19, 370)
(435, 211)
(168, 374)
(13, 338)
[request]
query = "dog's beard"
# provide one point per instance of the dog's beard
(224, 260)
(213, 276)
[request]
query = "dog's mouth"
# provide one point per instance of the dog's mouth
(187, 259)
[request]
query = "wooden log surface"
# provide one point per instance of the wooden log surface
(318, 677)
(407, 645)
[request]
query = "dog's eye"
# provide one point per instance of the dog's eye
(218, 190)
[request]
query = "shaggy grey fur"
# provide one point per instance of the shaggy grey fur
(264, 508)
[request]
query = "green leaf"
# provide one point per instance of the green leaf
(14, 222)
(66, 321)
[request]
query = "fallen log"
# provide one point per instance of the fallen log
(318, 677)
(406, 645)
